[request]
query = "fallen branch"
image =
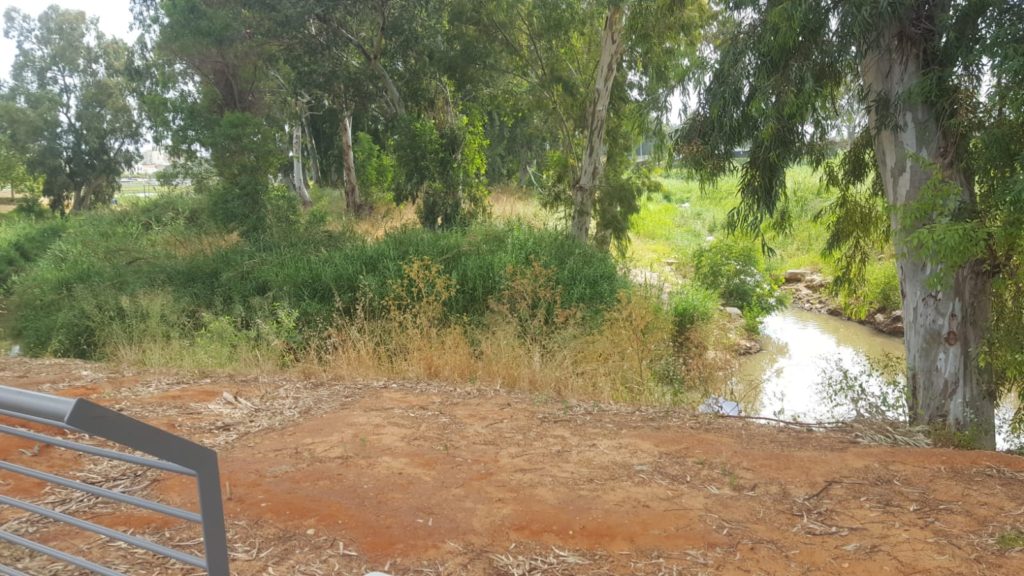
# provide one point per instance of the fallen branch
(795, 423)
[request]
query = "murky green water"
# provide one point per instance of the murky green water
(804, 350)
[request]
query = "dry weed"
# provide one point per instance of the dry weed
(510, 202)
(530, 341)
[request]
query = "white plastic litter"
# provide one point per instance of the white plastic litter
(718, 405)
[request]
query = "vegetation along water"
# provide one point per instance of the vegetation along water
(620, 202)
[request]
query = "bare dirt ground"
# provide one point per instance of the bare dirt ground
(327, 477)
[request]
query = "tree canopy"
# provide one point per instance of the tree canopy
(68, 109)
(911, 111)
(940, 83)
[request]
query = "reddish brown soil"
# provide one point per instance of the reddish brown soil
(422, 478)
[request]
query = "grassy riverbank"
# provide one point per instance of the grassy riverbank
(511, 301)
(673, 225)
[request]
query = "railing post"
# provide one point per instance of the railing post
(170, 453)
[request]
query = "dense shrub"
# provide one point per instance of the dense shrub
(880, 292)
(736, 270)
(24, 240)
(441, 166)
(95, 281)
(244, 152)
(375, 168)
(692, 304)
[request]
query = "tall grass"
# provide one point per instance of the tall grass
(110, 270)
(505, 303)
(24, 240)
(532, 340)
(674, 225)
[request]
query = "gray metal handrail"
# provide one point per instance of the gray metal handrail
(170, 453)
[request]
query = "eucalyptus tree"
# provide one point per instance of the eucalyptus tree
(340, 57)
(14, 173)
(208, 85)
(68, 110)
(940, 82)
(599, 74)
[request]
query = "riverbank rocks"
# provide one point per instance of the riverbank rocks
(815, 283)
(796, 276)
(748, 347)
(810, 293)
(892, 323)
(731, 311)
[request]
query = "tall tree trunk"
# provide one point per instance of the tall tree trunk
(82, 199)
(298, 175)
(944, 327)
(352, 201)
(585, 188)
(314, 156)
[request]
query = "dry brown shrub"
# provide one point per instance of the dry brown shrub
(511, 202)
(530, 341)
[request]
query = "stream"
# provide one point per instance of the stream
(813, 367)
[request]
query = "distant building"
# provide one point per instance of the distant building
(153, 160)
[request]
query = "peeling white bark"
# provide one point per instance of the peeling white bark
(314, 156)
(352, 201)
(593, 157)
(944, 327)
(298, 174)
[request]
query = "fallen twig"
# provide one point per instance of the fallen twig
(796, 423)
(828, 484)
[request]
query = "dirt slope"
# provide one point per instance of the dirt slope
(327, 477)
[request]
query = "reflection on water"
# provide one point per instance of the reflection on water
(784, 380)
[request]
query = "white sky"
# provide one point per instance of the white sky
(115, 19)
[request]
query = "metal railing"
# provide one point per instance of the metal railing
(170, 453)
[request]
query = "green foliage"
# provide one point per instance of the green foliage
(878, 292)
(1002, 351)
(14, 173)
(68, 110)
(772, 84)
(196, 174)
(1011, 540)
(674, 228)
(29, 206)
(375, 168)
(875, 389)
(780, 78)
(99, 279)
(23, 241)
(939, 231)
(856, 217)
(624, 184)
(736, 270)
(441, 166)
(244, 153)
(540, 112)
(692, 304)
